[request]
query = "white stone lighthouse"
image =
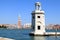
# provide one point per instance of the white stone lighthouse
(38, 23)
(38, 20)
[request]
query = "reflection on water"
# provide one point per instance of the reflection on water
(39, 38)
(45, 37)
(19, 34)
(53, 38)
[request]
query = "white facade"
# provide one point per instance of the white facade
(27, 25)
(38, 20)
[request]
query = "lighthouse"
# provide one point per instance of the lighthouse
(38, 20)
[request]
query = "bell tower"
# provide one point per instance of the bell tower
(19, 22)
(38, 19)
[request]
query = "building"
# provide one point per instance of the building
(53, 26)
(27, 25)
(38, 23)
(38, 20)
(19, 23)
(50, 26)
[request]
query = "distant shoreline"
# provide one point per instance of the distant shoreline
(16, 28)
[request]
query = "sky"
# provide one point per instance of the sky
(10, 9)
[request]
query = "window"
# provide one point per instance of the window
(38, 27)
(38, 16)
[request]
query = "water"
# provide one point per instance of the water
(23, 34)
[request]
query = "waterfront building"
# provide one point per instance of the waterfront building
(38, 20)
(12, 26)
(50, 26)
(27, 25)
(9, 26)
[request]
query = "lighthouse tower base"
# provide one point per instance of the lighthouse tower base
(45, 34)
(36, 34)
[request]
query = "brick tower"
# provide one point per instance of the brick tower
(19, 22)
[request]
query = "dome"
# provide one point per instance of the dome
(37, 4)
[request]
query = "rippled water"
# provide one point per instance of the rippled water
(23, 34)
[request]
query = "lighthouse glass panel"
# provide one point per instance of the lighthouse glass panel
(38, 16)
(38, 27)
